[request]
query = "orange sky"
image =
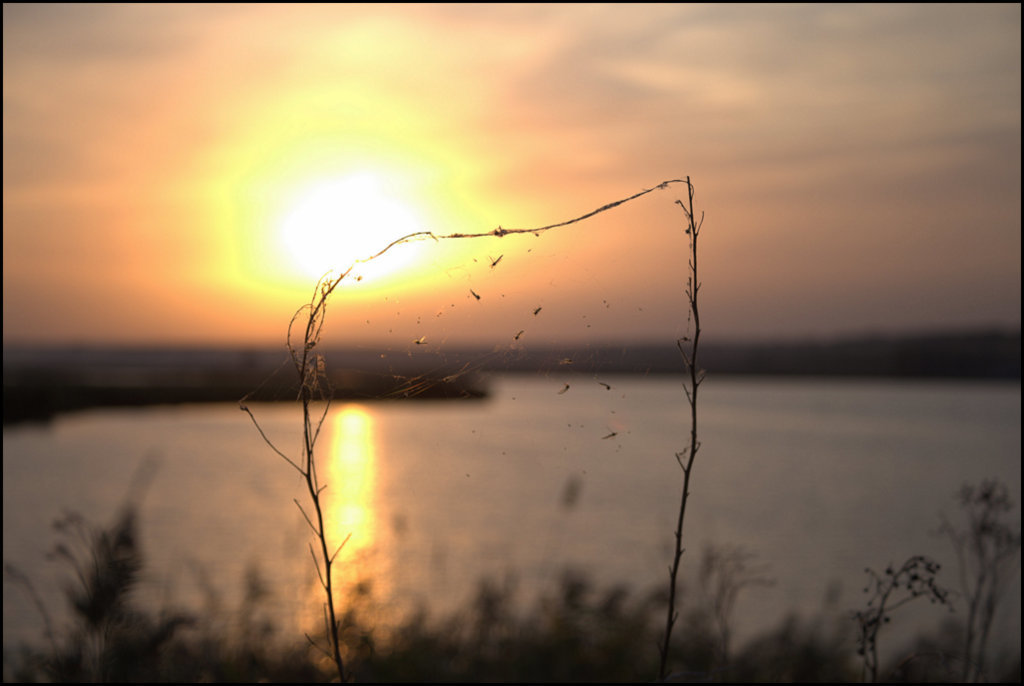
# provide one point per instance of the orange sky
(859, 167)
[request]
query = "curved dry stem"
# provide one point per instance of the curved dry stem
(314, 386)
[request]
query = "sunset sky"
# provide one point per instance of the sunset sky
(167, 169)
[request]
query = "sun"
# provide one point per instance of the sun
(333, 223)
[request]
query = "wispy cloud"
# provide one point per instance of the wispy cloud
(863, 137)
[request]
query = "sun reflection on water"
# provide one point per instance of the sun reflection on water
(350, 472)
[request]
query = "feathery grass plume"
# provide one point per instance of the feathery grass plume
(725, 571)
(109, 638)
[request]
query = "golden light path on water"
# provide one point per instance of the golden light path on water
(349, 470)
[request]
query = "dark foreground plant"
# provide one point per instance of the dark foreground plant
(579, 632)
(314, 388)
(575, 631)
(893, 589)
(986, 551)
(109, 638)
(724, 573)
(688, 347)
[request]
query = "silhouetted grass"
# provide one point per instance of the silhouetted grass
(897, 586)
(988, 554)
(110, 638)
(574, 631)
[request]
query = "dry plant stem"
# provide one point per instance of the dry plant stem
(309, 367)
(314, 387)
(686, 457)
(983, 550)
(890, 591)
(20, 577)
(500, 232)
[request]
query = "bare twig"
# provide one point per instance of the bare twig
(499, 232)
(686, 457)
(891, 590)
(307, 324)
(985, 549)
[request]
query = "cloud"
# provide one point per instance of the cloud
(815, 132)
(65, 34)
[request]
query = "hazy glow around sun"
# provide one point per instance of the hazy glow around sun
(332, 223)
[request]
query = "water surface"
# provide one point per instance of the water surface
(816, 478)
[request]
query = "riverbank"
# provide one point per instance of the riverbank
(43, 381)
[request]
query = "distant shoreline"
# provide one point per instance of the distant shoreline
(43, 381)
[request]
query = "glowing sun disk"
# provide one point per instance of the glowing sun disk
(336, 222)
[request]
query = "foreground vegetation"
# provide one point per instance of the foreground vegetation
(573, 632)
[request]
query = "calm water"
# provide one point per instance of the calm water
(816, 478)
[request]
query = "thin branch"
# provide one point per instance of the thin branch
(316, 563)
(317, 646)
(306, 516)
(338, 550)
(695, 379)
(21, 578)
(500, 232)
(267, 440)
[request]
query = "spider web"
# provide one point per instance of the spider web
(572, 307)
(561, 300)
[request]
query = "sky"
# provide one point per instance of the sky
(184, 173)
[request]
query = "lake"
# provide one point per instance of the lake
(815, 478)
